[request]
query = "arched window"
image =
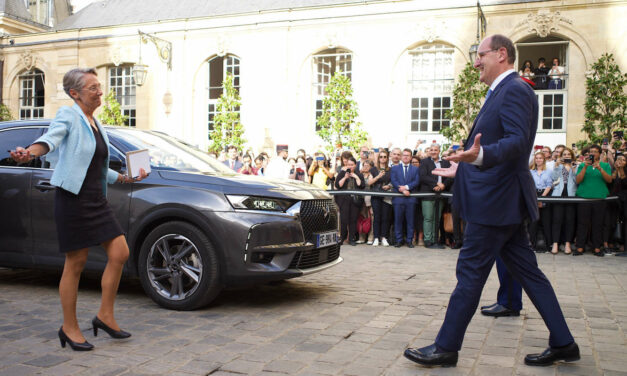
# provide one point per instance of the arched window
(325, 64)
(122, 82)
(32, 94)
(219, 66)
(431, 91)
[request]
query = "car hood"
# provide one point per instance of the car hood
(250, 184)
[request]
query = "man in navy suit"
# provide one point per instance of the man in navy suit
(494, 192)
(233, 163)
(405, 178)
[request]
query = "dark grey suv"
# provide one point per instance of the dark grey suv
(193, 226)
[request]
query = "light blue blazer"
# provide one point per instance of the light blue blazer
(72, 145)
(558, 182)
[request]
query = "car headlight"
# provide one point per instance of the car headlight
(259, 203)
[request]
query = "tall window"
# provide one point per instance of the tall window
(432, 79)
(32, 94)
(325, 64)
(122, 82)
(219, 66)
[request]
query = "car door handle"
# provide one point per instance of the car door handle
(44, 185)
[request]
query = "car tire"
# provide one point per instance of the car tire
(178, 267)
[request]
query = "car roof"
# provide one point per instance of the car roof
(36, 122)
(24, 123)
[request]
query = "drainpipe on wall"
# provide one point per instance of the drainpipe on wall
(1, 79)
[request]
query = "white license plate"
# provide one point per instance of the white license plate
(326, 238)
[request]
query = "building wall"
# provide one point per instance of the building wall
(276, 49)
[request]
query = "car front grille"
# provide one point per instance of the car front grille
(318, 216)
(315, 257)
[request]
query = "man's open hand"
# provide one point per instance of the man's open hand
(446, 172)
(469, 155)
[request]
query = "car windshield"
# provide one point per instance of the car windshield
(167, 153)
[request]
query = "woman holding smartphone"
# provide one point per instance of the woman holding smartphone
(349, 179)
(593, 176)
(319, 172)
(564, 185)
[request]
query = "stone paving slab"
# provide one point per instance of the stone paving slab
(353, 319)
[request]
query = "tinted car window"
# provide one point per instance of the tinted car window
(166, 153)
(12, 138)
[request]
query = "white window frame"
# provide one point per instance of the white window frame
(322, 65)
(436, 83)
(28, 97)
(125, 91)
(541, 118)
(230, 64)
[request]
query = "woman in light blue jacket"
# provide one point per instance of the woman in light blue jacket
(564, 185)
(80, 148)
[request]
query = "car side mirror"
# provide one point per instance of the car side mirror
(116, 165)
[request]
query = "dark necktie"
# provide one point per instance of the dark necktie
(405, 174)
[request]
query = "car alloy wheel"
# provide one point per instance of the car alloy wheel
(174, 267)
(178, 266)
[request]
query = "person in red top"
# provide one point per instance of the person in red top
(247, 167)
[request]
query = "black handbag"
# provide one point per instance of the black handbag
(357, 200)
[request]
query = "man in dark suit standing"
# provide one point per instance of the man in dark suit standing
(233, 162)
(430, 183)
(494, 192)
(405, 178)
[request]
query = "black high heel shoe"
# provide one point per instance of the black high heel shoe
(119, 334)
(84, 346)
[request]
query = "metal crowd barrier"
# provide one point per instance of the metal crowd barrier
(448, 195)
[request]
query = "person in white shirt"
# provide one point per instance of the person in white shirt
(278, 166)
(556, 72)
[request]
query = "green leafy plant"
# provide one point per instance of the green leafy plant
(338, 125)
(467, 95)
(5, 113)
(606, 101)
(112, 112)
(227, 129)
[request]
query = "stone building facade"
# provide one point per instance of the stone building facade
(402, 57)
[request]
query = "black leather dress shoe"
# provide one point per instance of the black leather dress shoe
(409, 245)
(551, 355)
(398, 245)
(430, 356)
(456, 245)
(489, 306)
(499, 311)
(434, 246)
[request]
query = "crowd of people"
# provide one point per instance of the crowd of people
(542, 76)
(593, 173)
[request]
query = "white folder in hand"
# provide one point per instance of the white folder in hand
(136, 160)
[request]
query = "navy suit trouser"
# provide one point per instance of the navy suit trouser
(482, 244)
(404, 209)
(510, 291)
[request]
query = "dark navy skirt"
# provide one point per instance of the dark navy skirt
(84, 220)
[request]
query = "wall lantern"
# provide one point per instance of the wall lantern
(164, 50)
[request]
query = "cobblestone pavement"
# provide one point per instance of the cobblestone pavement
(353, 319)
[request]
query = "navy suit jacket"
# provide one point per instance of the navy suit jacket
(501, 191)
(237, 164)
(411, 180)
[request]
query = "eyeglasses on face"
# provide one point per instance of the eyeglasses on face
(94, 88)
(481, 54)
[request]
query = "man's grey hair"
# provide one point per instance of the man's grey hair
(74, 79)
